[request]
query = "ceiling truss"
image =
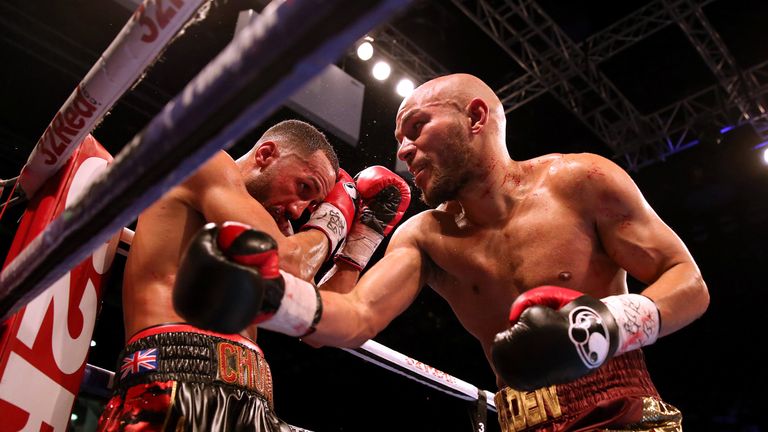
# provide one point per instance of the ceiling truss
(555, 64)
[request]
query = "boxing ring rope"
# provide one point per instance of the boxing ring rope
(288, 44)
(396, 362)
(142, 39)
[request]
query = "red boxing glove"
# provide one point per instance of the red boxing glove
(385, 197)
(335, 214)
(553, 297)
(243, 245)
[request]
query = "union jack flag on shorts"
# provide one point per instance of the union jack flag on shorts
(138, 362)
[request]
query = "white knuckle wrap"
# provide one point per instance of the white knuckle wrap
(329, 219)
(638, 319)
(360, 245)
(299, 310)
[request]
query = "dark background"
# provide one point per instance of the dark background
(712, 194)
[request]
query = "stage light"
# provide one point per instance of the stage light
(762, 148)
(404, 87)
(365, 51)
(381, 70)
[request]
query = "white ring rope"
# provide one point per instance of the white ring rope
(394, 361)
(288, 44)
(141, 40)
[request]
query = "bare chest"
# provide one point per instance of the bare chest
(480, 271)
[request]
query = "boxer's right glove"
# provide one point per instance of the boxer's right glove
(559, 335)
(229, 278)
(334, 216)
(385, 197)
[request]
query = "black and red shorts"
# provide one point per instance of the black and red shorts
(180, 378)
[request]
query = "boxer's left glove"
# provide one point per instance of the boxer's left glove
(559, 335)
(334, 216)
(229, 278)
(384, 198)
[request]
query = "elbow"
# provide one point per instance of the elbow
(685, 303)
(290, 259)
(287, 249)
(702, 295)
(367, 328)
(367, 333)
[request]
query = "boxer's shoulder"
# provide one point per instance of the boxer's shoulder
(446, 217)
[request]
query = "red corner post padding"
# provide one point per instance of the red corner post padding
(43, 347)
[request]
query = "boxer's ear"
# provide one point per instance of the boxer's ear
(266, 153)
(478, 114)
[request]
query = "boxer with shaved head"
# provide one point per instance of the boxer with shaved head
(533, 258)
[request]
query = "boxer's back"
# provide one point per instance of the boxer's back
(162, 233)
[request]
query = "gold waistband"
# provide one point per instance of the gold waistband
(520, 410)
(621, 377)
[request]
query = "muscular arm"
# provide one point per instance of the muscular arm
(636, 239)
(352, 316)
(217, 191)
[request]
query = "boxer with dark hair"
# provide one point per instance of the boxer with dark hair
(533, 258)
(175, 376)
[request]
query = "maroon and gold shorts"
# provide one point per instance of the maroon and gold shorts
(180, 378)
(619, 396)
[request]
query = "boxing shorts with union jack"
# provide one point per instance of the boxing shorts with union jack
(177, 377)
